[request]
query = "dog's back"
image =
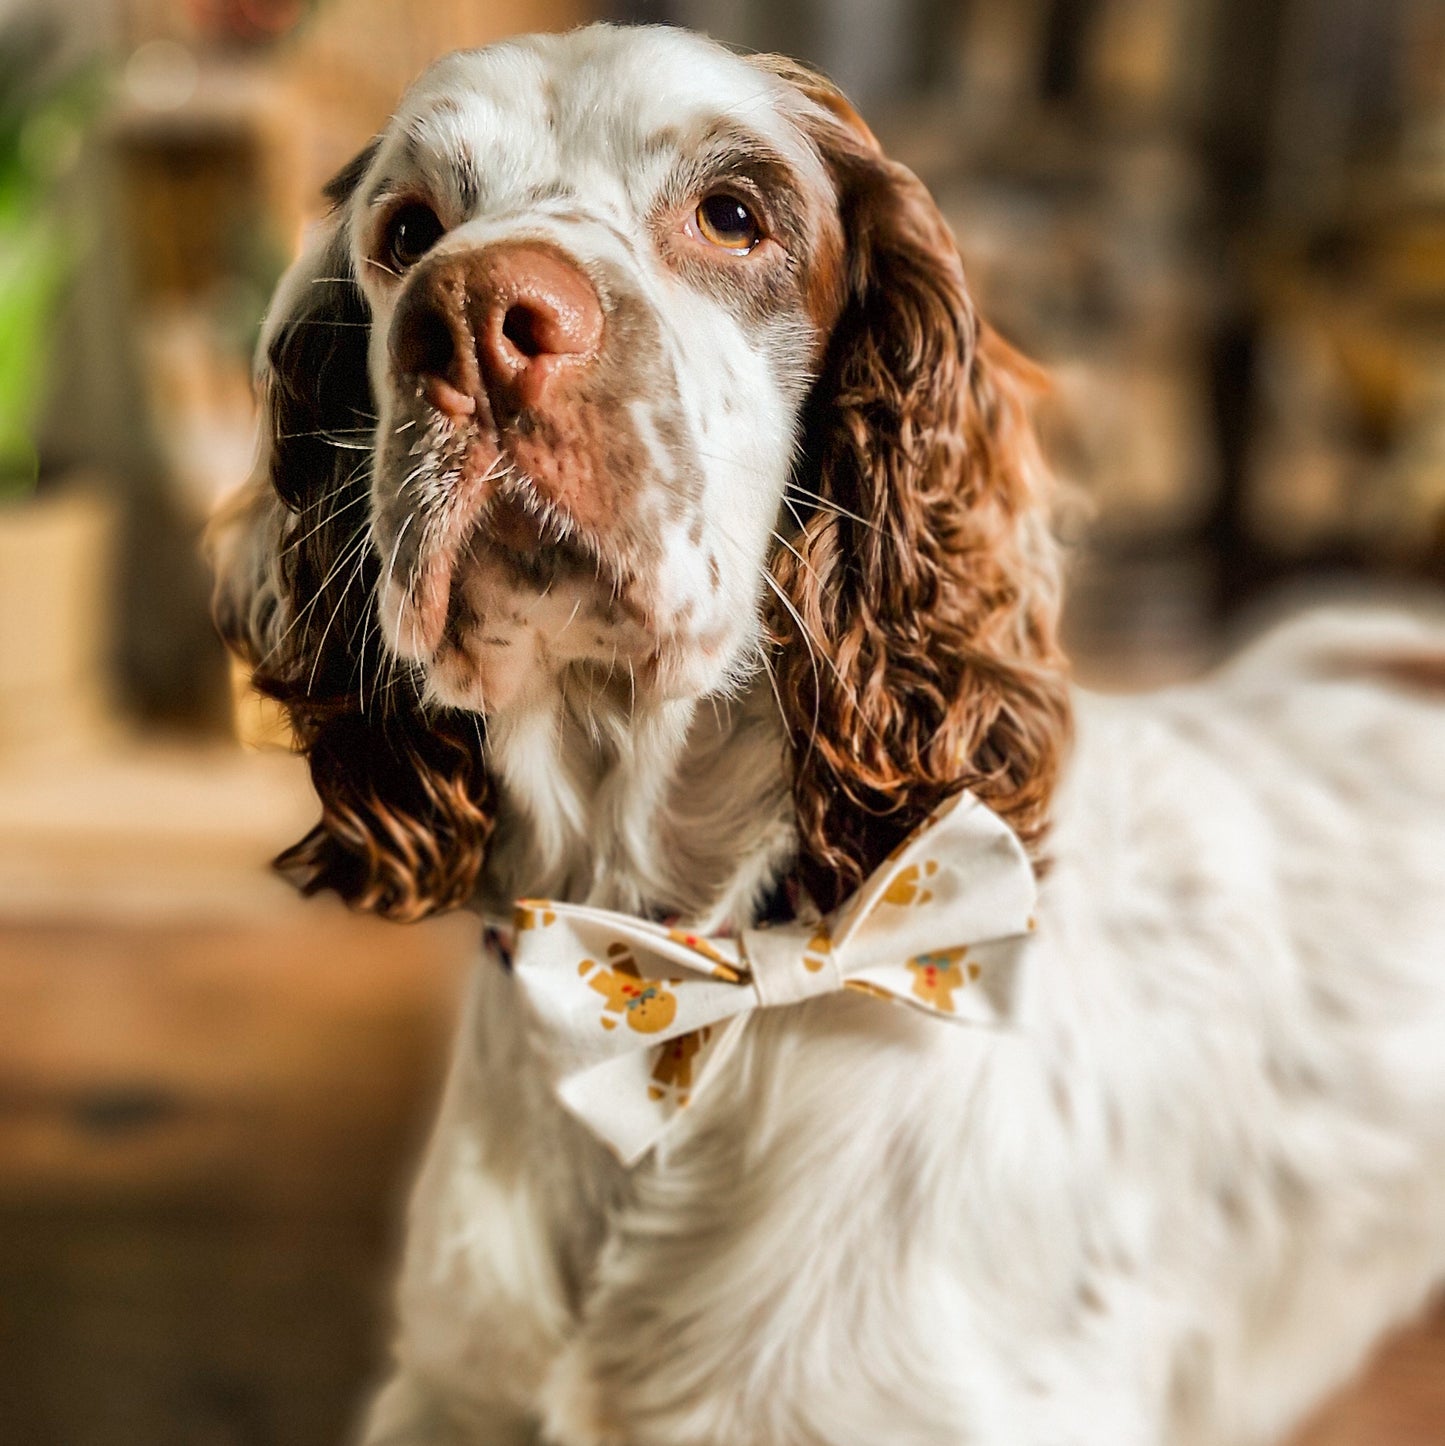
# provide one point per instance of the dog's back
(1273, 839)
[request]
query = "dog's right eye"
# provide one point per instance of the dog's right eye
(411, 233)
(727, 223)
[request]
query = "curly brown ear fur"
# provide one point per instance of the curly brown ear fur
(926, 579)
(406, 801)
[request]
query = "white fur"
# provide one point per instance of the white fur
(1171, 1205)
(560, 134)
(1175, 1203)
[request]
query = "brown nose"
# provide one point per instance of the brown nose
(505, 321)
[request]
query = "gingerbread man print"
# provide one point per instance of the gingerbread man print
(647, 1005)
(907, 885)
(937, 976)
(532, 914)
(673, 1070)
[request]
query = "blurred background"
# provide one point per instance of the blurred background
(1220, 223)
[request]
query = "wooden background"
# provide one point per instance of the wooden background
(211, 1095)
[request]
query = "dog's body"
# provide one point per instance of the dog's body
(1176, 1203)
(602, 314)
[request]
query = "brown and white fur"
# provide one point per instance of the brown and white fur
(595, 559)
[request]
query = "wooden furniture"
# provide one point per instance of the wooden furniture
(211, 1095)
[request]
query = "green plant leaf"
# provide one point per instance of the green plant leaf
(34, 266)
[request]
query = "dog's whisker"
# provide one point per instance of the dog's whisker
(827, 504)
(326, 521)
(358, 540)
(391, 569)
(812, 658)
(330, 622)
(329, 322)
(327, 433)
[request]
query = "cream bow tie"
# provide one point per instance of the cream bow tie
(632, 1018)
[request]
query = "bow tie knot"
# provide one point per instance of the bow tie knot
(632, 1018)
(782, 973)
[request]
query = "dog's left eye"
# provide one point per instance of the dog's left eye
(723, 220)
(410, 234)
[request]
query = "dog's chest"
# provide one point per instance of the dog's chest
(801, 1177)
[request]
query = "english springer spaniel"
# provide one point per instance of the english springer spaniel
(648, 521)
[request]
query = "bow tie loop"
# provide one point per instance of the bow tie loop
(632, 1018)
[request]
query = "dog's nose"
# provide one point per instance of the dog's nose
(505, 321)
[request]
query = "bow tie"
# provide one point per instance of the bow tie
(632, 1018)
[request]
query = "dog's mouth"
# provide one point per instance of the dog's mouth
(497, 558)
(539, 541)
(502, 584)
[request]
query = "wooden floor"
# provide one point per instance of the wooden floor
(1400, 1401)
(198, 1205)
(211, 1095)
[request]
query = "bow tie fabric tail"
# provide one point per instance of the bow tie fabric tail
(633, 1018)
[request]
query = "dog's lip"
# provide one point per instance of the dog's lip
(510, 520)
(517, 518)
(539, 537)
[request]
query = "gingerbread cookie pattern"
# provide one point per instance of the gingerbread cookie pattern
(819, 947)
(532, 914)
(907, 887)
(936, 976)
(673, 1069)
(722, 968)
(647, 1005)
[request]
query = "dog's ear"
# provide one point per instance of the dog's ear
(405, 798)
(919, 653)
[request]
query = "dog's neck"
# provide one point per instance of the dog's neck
(673, 809)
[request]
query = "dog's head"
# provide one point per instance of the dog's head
(629, 366)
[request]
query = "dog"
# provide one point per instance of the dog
(646, 520)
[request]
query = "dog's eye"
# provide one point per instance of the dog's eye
(723, 220)
(411, 233)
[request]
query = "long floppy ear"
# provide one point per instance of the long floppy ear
(926, 575)
(405, 797)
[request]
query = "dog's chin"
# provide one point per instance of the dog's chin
(525, 624)
(483, 677)
(514, 602)
(499, 686)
